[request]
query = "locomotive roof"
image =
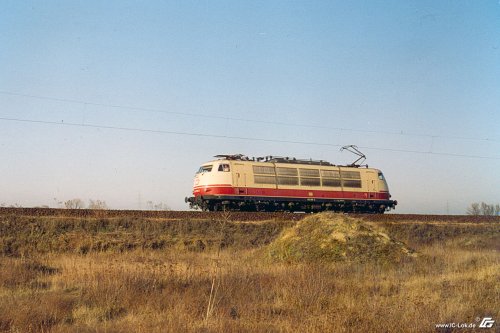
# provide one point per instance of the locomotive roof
(278, 159)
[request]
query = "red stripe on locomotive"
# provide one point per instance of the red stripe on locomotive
(287, 193)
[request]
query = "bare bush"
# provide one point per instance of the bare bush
(74, 204)
(157, 206)
(97, 204)
(483, 209)
(474, 209)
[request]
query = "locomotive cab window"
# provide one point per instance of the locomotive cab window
(380, 176)
(205, 168)
(224, 167)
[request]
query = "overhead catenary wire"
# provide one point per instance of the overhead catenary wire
(227, 118)
(219, 136)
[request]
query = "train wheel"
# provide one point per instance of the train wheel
(204, 207)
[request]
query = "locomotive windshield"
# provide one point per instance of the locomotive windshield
(205, 168)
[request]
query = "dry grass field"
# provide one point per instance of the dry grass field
(122, 274)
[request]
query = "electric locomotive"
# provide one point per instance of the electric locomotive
(237, 182)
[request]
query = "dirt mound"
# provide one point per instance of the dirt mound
(335, 237)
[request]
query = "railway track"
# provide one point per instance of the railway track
(234, 216)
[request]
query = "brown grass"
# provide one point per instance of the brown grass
(56, 288)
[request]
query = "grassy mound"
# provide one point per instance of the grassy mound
(334, 237)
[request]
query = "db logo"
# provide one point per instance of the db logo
(487, 322)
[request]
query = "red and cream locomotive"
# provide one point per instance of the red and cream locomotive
(237, 182)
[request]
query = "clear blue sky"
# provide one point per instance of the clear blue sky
(397, 76)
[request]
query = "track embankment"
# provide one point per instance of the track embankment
(151, 214)
(237, 216)
(26, 231)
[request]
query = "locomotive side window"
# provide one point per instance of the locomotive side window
(287, 172)
(287, 176)
(330, 182)
(205, 168)
(224, 167)
(309, 172)
(351, 179)
(264, 175)
(330, 173)
(380, 176)
(309, 177)
(309, 181)
(288, 180)
(263, 170)
(351, 183)
(264, 179)
(351, 174)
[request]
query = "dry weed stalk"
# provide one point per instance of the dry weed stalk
(216, 278)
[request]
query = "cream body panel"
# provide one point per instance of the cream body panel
(242, 175)
(213, 177)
